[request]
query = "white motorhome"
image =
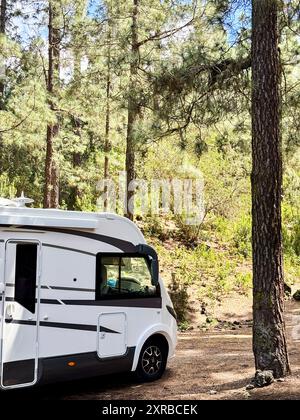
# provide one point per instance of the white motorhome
(80, 296)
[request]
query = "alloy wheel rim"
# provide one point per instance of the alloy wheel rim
(152, 360)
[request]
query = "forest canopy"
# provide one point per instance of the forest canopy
(161, 89)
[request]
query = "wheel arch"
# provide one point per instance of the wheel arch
(155, 332)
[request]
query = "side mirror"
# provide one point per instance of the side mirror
(150, 252)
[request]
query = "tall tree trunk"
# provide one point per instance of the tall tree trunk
(77, 161)
(107, 116)
(76, 122)
(51, 193)
(269, 337)
(2, 33)
(3, 17)
(55, 185)
(133, 106)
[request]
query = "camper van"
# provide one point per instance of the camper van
(80, 296)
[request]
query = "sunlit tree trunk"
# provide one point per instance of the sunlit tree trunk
(3, 12)
(51, 193)
(2, 33)
(269, 337)
(107, 112)
(77, 158)
(133, 105)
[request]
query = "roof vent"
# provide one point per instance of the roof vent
(22, 201)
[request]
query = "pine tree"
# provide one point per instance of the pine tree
(3, 18)
(2, 71)
(133, 105)
(51, 194)
(269, 337)
(108, 99)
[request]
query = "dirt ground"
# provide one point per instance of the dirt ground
(215, 364)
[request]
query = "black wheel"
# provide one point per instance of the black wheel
(153, 360)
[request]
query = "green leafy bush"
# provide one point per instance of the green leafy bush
(180, 298)
(242, 236)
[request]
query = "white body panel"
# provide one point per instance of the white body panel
(69, 320)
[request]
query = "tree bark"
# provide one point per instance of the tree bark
(3, 17)
(2, 32)
(107, 116)
(269, 337)
(133, 106)
(75, 193)
(51, 193)
(77, 161)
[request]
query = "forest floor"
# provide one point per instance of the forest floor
(213, 364)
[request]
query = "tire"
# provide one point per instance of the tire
(153, 360)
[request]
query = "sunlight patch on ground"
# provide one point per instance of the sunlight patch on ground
(188, 352)
(228, 355)
(229, 336)
(189, 337)
(230, 376)
(295, 310)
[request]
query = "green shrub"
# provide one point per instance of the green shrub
(188, 234)
(180, 298)
(296, 239)
(242, 236)
(154, 227)
(7, 188)
(243, 282)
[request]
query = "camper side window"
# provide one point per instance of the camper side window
(127, 276)
(25, 276)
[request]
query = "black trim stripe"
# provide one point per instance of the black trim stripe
(13, 285)
(45, 301)
(121, 303)
(50, 301)
(23, 241)
(172, 311)
(79, 327)
(73, 289)
(69, 249)
(121, 244)
(41, 287)
(22, 322)
(151, 302)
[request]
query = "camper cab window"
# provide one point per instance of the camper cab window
(126, 276)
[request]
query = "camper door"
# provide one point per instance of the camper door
(20, 313)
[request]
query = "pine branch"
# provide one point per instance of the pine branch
(166, 34)
(18, 124)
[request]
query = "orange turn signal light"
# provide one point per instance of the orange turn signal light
(72, 364)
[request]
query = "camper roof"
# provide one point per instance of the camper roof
(52, 218)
